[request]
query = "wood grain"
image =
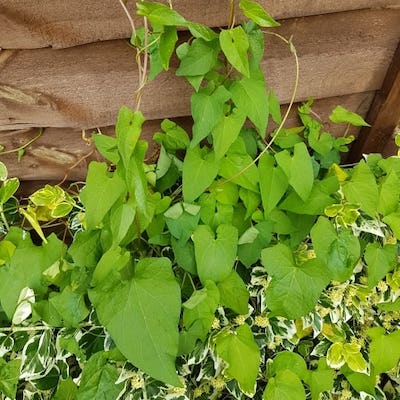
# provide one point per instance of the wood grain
(83, 87)
(51, 157)
(384, 114)
(57, 23)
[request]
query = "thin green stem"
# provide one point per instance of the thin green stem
(191, 281)
(231, 14)
(347, 130)
(128, 16)
(25, 145)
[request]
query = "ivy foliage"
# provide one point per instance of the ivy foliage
(243, 263)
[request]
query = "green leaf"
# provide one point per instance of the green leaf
(200, 58)
(9, 376)
(339, 250)
(321, 143)
(227, 131)
(286, 385)
(70, 306)
(287, 138)
(227, 193)
(393, 220)
(249, 251)
(182, 219)
(316, 203)
(61, 210)
(390, 306)
(68, 342)
(360, 382)
(200, 168)
(274, 107)
(234, 293)
(66, 390)
(100, 193)
(340, 353)
(199, 310)
(174, 138)
(389, 192)
(240, 351)
(7, 190)
(207, 111)
(335, 355)
(215, 256)
(3, 172)
(286, 360)
(273, 182)
(166, 47)
(155, 61)
(320, 380)
(380, 261)
(238, 167)
(354, 359)
(98, 379)
(136, 181)
(340, 114)
(26, 267)
(251, 200)
(256, 45)
(362, 189)
(256, 13)
(184, 254)
(147, 308)
(250, 96)
(294, 289)
(127, 130)
(201, 31)
(113, 259)
(298, 169)
(107, 147)
(159, 14)
(6, 251)
(85, 249)
(234, 43)
(30, 215)
(121, 219)
(49, 195)
(384, 350)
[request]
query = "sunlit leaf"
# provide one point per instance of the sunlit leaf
(256, 12)
(340, 114)
(147, 308)
(242, 355)
(234, 44)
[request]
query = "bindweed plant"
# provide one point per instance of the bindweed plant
(239, 265)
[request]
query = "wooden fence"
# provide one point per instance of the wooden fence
(66, 66)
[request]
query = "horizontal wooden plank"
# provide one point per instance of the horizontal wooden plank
(83, 87)
(57, 23)
(61, 152)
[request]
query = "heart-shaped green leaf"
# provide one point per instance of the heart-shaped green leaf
(215, 256)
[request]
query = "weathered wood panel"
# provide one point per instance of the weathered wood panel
(83, 87)
(57, 23)
(58, 149)
(384, 114)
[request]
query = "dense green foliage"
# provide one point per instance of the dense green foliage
(238, 265)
